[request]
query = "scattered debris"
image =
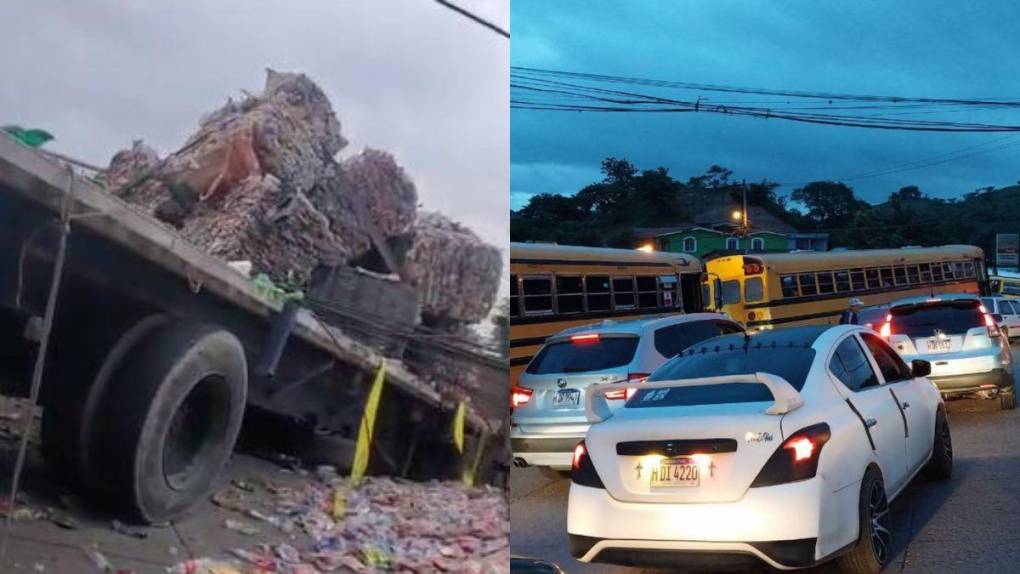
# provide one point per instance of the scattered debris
(120, 528)
(241, 527)
(205, 566)
(62, 520)
(99, 560)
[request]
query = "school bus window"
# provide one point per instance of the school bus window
(515, 309)
(900, 275)
(958, 269)
(912, 274)
(925, 273)
(569, 295)
(598, 292)
(969, 268)
(730, 292)
(669, 296)
(623, 292)
(648, 291)
(842, 280)
(825, 282)
(754, 290)
(887, 277)
(936, 272)
(947, 269)
(789, 285)
(807, 284)
(872, 275)
(537, 295)
(857, 279)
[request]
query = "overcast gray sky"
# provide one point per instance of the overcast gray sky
(406, 76)
(907, 48)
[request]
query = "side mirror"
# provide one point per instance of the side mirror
(920, 368)
(717, 287)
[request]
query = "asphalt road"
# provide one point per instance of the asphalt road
(967, 524)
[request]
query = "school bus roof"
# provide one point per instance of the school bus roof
(536, 252)
(799, 260)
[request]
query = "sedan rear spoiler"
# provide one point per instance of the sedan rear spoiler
(785, 397)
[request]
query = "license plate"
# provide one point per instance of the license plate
(567, 398)
(939, 345)
(672, 472)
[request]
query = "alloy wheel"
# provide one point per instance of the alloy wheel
(881, 537)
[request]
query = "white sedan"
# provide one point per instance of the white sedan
(785, 447)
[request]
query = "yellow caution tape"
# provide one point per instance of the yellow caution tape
(367, 427)
(458, 427)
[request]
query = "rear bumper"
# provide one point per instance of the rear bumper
(996, 379)
(604, 529)
(712, 556)
(555, 451)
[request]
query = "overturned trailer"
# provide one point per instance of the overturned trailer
(154, 350)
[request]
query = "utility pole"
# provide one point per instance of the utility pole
(747, 245)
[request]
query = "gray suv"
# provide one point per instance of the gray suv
(961, 340)
(548, 418)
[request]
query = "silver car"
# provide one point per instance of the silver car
(548, 418)
(961, 340)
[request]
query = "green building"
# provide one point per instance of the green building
(716, 233)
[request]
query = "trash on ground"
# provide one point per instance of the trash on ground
(241, 527)
(120, 528)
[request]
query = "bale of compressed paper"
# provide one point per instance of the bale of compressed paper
(388, 194)
(455, 272)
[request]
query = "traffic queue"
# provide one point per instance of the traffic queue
(774, 424)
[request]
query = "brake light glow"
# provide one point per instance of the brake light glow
(520, 396)
(579, 452)
(802, 449)
(886, 330)
(582, 339)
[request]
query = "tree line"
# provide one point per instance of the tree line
(606, 212)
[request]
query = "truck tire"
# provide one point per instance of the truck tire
(170, 419)
(69, 420)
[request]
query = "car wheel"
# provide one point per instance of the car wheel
(1007, 400)
(553, 474)
(874, 545)
(940, 467)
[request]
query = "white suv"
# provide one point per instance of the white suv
(548, 417)
(961, 340)
(1006, 311)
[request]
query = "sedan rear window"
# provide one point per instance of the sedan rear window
(952, 318)
(579, 357)
(792, 363)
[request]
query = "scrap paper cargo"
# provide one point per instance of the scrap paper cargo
(250, 270)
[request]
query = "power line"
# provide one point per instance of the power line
(955, 155)
(996, 101)
(474, 17)
(555, 94)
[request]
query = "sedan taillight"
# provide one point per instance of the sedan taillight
(993, 327)
(582, 471)
(795, 459)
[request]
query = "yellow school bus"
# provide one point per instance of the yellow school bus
(553, 287)
(1005, 286)
(764, 290)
